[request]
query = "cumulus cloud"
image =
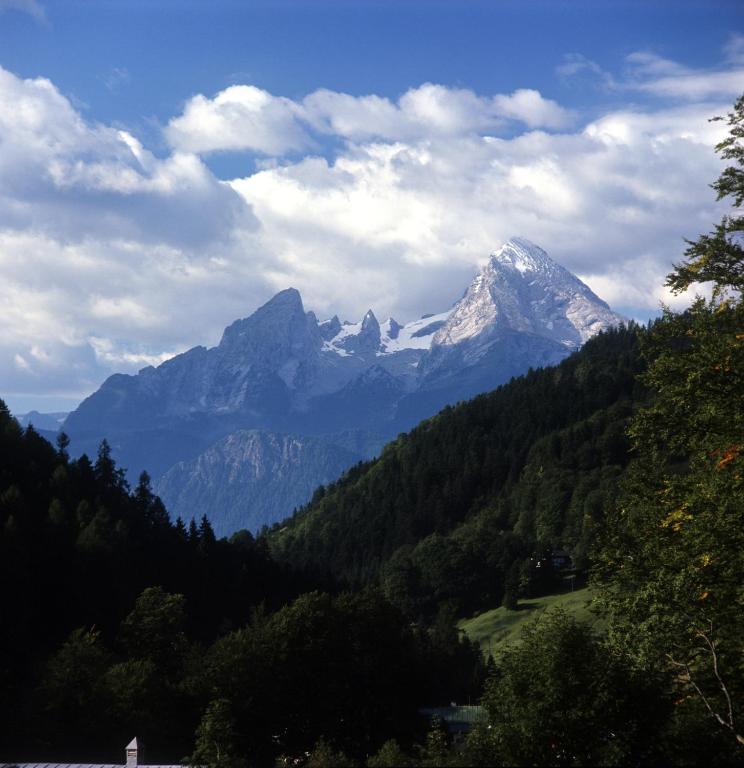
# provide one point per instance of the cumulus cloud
(241, 117)
(113, 257)
(248, 118)
(420, 216)
(101, 239)
(529, 107)
(64, 176)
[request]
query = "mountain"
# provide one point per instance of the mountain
(447, 509)
(284, 372)
(522, 310)
(522, 289)
(243, 479)
(48, 422)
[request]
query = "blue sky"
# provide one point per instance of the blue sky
(167, 166)
(135, 62)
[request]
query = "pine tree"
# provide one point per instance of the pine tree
(193, 532)
(106, 471)
(63, 443)
(206, 534)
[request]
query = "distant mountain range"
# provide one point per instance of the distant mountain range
(47, 422)
(244, 431)
(246, 476)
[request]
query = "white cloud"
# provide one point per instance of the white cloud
(529, 107)
(647, 64)
(577, 66)
(688, 123)
(241, 117)
(248, 118)
(419, 216)
(118, 356)
(353, 117)
(21, 362)
(112, 257)
(636, 284)
(64, 176)
(697, 85)
(648, 73)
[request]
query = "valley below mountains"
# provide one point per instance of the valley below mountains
(245, 431)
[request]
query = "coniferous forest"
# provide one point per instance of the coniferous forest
(318, 641)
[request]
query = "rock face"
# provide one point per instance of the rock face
(348, 386)
(522, 310)
(243, 478)
(522, 289)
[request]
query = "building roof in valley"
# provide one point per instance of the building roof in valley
(134, 753)
(82, 765)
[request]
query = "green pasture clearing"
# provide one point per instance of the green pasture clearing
(498, 626)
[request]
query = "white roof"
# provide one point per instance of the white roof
(82, 765)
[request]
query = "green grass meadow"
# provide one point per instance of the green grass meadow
(494, 628)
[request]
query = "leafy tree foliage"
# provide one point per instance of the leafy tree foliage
(216, 738)
(563, 696)
(325, 756)
(390, 755)
(154, 629)
(672, 559)
(69, 697)
(349, 668)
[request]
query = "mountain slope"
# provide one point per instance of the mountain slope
(522, 289)
(463, 461)
(251, 476)
(282, 371)
(522, 310)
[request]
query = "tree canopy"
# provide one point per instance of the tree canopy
(672, 561)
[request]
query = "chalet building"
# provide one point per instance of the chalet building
(134, 756)
(560, 559)
(457, 720)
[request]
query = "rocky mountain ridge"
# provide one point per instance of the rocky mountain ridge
(282, 371)
(242, 478)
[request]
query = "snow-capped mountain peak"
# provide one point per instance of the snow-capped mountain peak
(415, 335)
(387, 339)
(355, 338)
(281, 357)
(281, 369)
(522, 255)
(521, 289)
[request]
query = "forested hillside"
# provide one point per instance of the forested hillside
(117, 622)
(482, 490)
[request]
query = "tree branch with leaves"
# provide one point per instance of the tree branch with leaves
(671, 560)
